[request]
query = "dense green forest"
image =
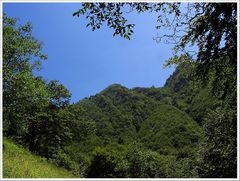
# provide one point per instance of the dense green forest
(185, 129)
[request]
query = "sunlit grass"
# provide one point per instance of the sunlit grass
(19, 163)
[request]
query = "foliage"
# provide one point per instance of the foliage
(105, 164)
(113, 14)
(116, 99)
(21, 51)
(31, 111)
(26, 96)
(176, 136)
(219, 149)
(133, 161)
(49, 132)
(23, 93)
(147, 164)
(60, 96)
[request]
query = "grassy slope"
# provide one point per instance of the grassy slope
(19, 163)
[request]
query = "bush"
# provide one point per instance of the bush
(77, 167)
(107, 164)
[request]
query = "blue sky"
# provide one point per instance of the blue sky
(87, 62)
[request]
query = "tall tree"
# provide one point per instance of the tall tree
(60, 95)
(23, 93)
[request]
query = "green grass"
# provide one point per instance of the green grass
(20, 163)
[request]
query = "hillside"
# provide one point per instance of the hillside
(20, 163)
(170, 131)
(124, 115)
(118, 111)
(102, 130)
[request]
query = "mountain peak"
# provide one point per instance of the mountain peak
(115, 88)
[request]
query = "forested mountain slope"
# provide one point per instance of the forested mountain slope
(101, 131)
(125, 116)
(120, 112)
(181, 91)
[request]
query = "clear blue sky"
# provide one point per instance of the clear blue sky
(87, 62)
